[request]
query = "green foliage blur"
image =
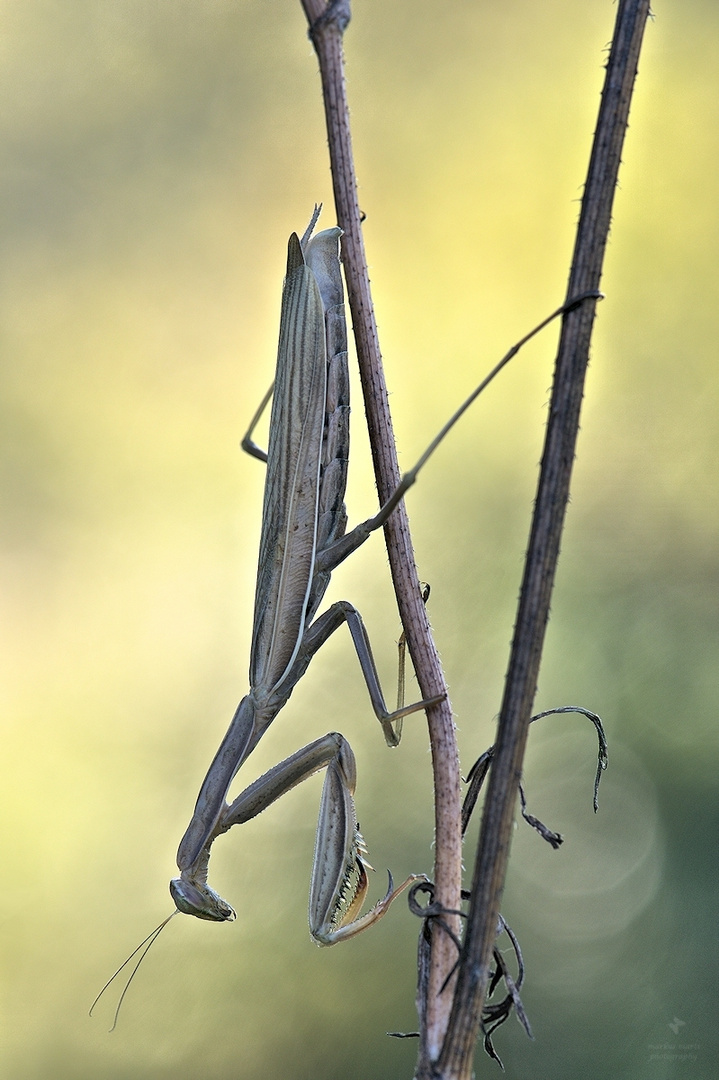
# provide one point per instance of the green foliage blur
(156, 157)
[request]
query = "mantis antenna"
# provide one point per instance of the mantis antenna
(147, 942)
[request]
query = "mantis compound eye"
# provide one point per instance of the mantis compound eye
(201, 901)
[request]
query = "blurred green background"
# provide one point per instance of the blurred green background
(155, 158)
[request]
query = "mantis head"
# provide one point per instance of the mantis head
(198, 899)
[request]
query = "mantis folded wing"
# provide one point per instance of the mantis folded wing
(302, 540)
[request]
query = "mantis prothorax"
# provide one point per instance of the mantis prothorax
(303, 540)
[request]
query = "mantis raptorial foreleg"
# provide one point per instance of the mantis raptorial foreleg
(335, 900)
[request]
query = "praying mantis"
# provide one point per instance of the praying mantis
(303, 539)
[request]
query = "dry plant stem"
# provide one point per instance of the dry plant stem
(327, 24)
(489, 872)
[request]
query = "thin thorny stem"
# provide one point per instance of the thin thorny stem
(455, 1061)
(327, 24)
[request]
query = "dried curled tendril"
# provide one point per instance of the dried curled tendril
(478, 773)
(494, 1013)
(433, 914)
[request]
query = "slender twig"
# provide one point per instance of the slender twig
(455, 1060)
(327, 23)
